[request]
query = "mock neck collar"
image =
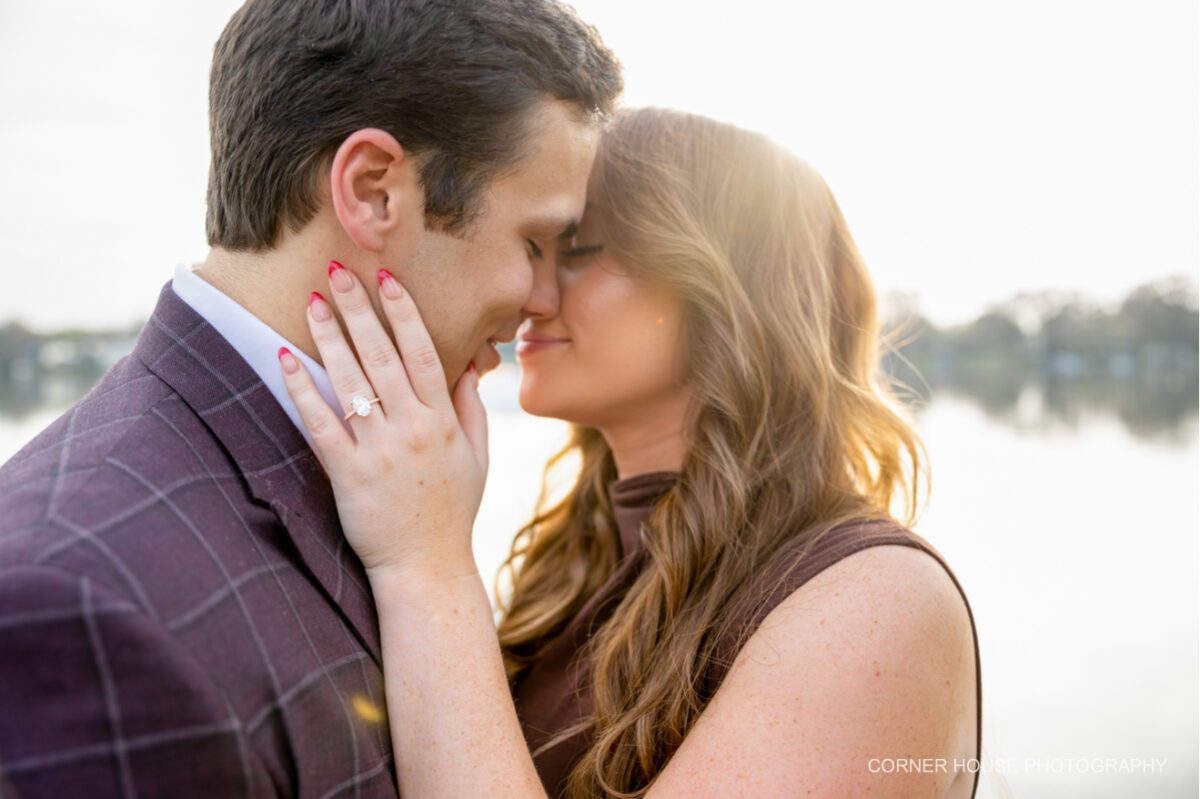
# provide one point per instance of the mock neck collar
(634, 499)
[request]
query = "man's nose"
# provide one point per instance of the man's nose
(543, 298)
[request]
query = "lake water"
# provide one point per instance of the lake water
(1075, 539)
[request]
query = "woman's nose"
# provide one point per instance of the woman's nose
(544, 297)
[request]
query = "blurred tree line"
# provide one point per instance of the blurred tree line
(54, 369)
(1139, 355)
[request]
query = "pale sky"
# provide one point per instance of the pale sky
(977, 149)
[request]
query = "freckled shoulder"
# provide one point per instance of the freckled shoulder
(872, 657)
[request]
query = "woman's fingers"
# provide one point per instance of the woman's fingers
(330, 439)
(472, 415)
(337, 357)
(421, 361)
(377, 355)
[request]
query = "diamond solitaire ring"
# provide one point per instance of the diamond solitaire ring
(361, 406)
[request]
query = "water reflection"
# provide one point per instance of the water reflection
(22, 398)
(1159, 406)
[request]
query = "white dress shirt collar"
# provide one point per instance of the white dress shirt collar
(253, 339)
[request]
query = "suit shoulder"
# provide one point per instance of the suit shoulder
(129, 483)
(63, 455)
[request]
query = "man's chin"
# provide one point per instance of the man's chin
(481, 365)
(487, 358)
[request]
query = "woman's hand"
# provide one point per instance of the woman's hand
(409, 477)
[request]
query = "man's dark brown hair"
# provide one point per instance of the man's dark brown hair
(455, 81)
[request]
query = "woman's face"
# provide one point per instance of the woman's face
(599, 347)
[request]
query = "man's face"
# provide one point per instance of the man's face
(470, 290)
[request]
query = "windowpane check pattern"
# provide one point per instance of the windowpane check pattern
(179, 612)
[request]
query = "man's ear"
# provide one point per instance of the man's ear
(376, 190)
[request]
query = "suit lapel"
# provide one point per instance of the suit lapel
(280, 468)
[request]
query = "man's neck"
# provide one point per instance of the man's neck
(274, 285)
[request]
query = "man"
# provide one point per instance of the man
(180, 614)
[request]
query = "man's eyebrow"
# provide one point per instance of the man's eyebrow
(546, 227)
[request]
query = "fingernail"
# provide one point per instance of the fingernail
(290, 364)
(318, 306)
(389, 285)
(339, 277)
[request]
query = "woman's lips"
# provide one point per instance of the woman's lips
(529, 346)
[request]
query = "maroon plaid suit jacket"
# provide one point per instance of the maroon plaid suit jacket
(180, 614)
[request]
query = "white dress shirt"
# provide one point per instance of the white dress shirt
(254, 340)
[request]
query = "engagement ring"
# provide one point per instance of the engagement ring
(361, 406)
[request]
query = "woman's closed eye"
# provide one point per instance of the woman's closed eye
(577, 255)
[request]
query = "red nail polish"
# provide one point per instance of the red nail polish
(334, 266)
(316, 295)
(288, 361)
(384, 275)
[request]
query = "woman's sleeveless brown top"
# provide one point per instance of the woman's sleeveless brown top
(552, 694)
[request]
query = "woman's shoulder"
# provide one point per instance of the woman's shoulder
(873, 559)
(868, 568)
(848, 537)
(867, 561)
(871, 654)
(868, 555)
(875, 590)
(805, 557)
(881, 545)
(854, 544)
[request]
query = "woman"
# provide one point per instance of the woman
(722, 605)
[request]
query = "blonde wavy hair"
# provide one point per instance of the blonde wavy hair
(792, 429)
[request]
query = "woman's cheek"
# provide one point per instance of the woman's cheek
(581, 306)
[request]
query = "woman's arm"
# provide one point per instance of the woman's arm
(454, 727)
